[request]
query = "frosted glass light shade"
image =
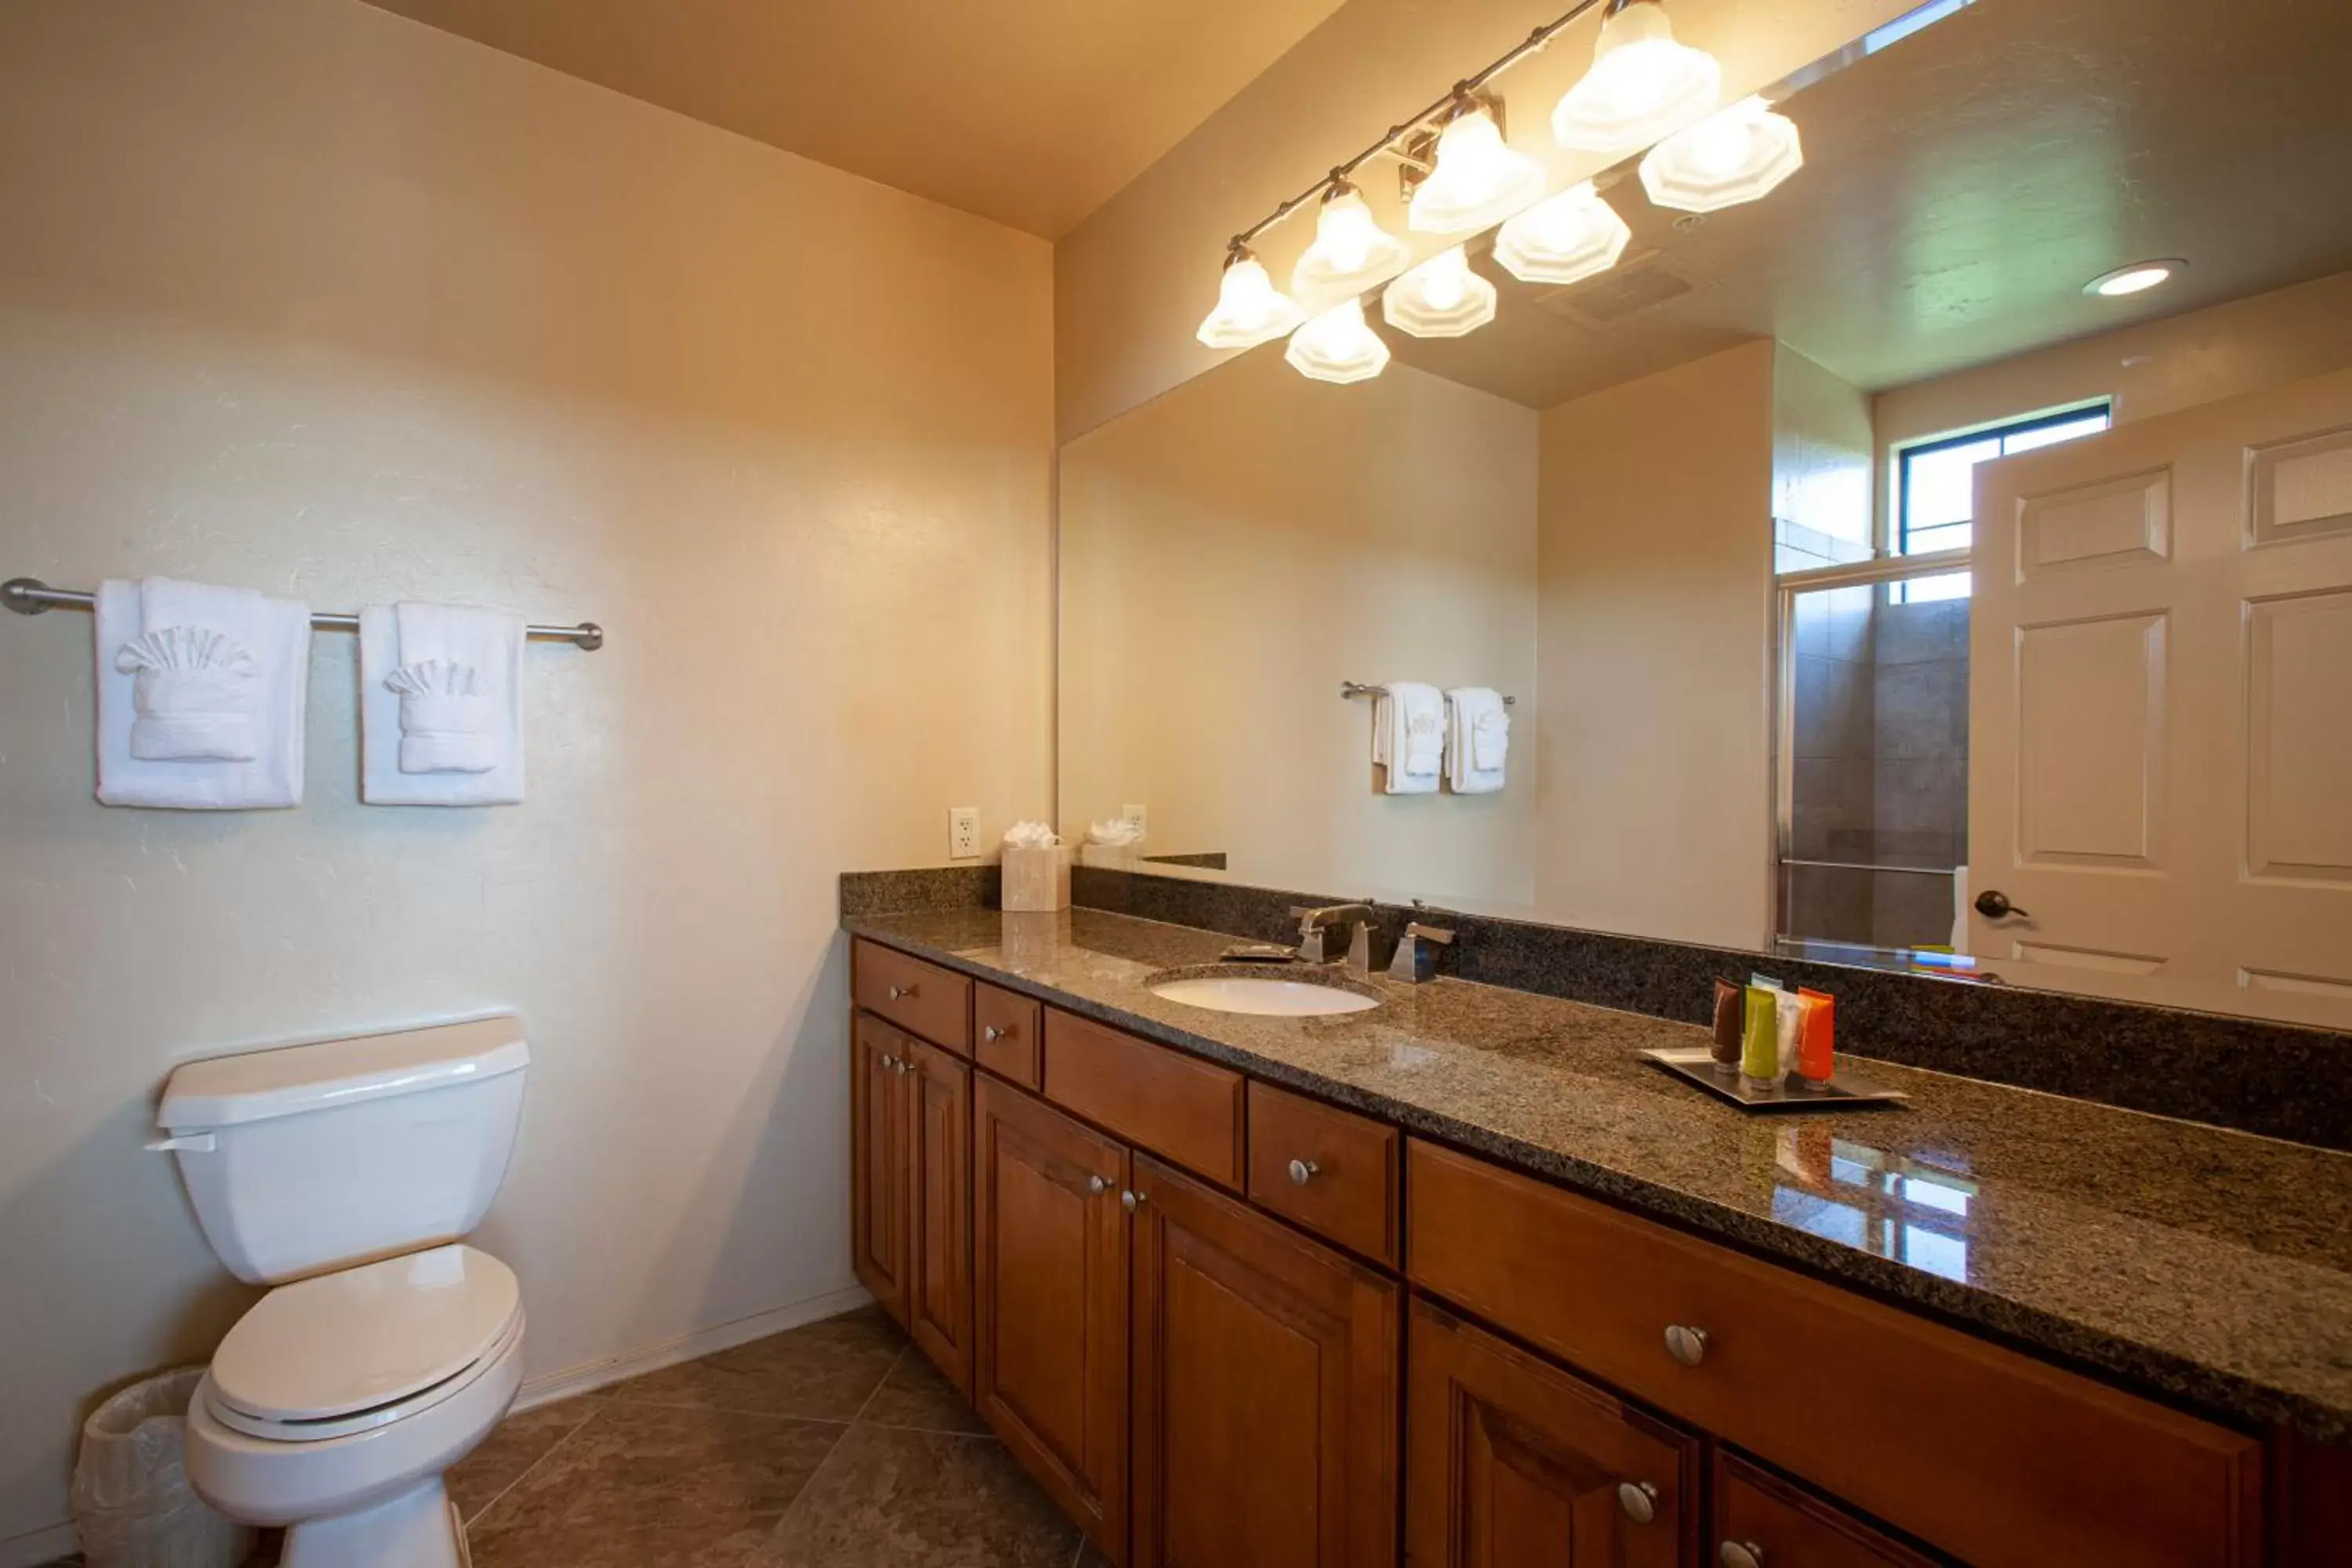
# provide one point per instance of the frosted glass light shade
(1442, 298)
(1352, 250)
(1563, 240)
(1734, 155)
(1478, 180)
(1643, 84)
(1250, 309)
(1337, 346)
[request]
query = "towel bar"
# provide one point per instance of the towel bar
(1358, 689)
(31, 596)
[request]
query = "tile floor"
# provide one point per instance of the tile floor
(833, 1445)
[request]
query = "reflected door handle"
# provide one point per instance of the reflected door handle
(1994, 905)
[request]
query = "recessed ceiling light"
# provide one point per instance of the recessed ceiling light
(2132, 280)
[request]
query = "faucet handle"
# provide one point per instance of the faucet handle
(1420, 933)
(1415, 960)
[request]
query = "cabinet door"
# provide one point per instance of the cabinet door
(1050, 1255)
(1513, 1463)
(1762, 1521)
(877, 1144)
(938, 1210)
(1266, 1390)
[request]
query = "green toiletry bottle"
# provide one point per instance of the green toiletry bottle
(1759, 1043)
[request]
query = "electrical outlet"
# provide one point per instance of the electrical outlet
(964, 833)
(1135, 814)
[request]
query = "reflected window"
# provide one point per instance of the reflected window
(1935, 490)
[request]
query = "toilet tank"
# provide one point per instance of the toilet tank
(308, 1158)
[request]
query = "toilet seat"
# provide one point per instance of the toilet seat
(343, 1352)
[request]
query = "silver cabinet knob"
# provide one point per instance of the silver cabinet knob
(1686, 1345)
(889, 1063)
(1097, 1184)
(1740, 1555)
(1130, 1200)
(900, 993)
(990, 1032)
(1639, 1499)
(1303, 1172)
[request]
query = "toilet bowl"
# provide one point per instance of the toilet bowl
(343, 1175)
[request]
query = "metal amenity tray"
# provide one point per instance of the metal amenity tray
(1696, 1064)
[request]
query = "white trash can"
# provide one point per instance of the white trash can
(132, 1505)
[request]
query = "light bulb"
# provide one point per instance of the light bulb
(1734, 155)
(1442, 298)
(1337, 346)
(1477, 179)
(1250, 309)
(1563, 240)
(2138, 277)
(1642, 85)
(1352, 250)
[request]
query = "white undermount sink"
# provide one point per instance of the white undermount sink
(1263, 995)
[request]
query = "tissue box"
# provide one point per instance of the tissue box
(1037, 880)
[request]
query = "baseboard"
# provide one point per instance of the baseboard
(602, 1373)
(39, 1546)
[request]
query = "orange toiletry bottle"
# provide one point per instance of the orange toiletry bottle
(1817, 1051)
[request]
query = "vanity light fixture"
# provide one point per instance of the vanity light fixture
(2138, 277)
(1352, 250)
(1734, 155)
(1643, 83)
(1564, 239)
(1250, 309)
(1477, 179)
(1337, 346)
(1442, 298)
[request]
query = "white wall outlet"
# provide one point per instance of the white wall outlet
(964, 833)
(1135, 814)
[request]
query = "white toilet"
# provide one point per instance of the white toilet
(345, 1174)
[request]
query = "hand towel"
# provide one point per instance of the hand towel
(440, 706)
(1477, 739)
(1409, 736)
(201, 696)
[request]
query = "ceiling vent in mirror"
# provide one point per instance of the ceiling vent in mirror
(1638, 285)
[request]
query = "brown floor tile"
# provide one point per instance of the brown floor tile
(892, 1499)
(645, 1486)
(518, 1443)
(916, 1394)
(1091, 1556)
(822, 1372)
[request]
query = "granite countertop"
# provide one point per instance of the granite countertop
(2214, 1268)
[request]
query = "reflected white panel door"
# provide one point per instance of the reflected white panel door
(2160, 767)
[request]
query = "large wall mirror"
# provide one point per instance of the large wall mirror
(1894, 568)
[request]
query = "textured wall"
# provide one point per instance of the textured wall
(302, 294)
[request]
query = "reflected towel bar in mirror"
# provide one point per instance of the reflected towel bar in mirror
(1358, 689)
(31, 596)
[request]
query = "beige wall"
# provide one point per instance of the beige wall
(1821, 463)
(1133, 281)
(1234, 550)
(300, 295)
(1656, 592)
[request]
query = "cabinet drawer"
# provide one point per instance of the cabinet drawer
(1187, 1111)
(1771, 1521)
(921, 998)
(1329, 1169)
(1004, 1029)
(1982, 1452)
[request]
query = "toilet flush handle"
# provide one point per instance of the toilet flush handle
(186, 1144)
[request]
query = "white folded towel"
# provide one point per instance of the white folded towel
(440, 706)
(1477, 739)
(1409, 736)
(201, 696)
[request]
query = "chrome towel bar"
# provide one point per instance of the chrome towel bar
(31, 596)
(1358, 689)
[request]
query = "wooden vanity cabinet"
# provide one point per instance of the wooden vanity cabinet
(1511, 1462)
(1759, 1520)
(938, 1210)
(1266, 1389)
(1050, 1249)
(878, 1095)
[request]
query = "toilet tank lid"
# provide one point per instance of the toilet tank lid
(224, 1091)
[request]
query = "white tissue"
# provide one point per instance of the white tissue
(1118, 833)
(1030, 836)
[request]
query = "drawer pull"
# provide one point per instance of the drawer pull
(1639, 1499)
(1098, 1185)
(1740, 1555)
(1131, 1200)
(990, 1032)
(1686, 1345)
(1303, 1172)
(900, 993)
(889, 1063)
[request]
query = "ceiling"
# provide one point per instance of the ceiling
(1032, 112)
(1961, 186)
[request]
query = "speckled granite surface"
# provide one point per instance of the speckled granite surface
(2210, 1267)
